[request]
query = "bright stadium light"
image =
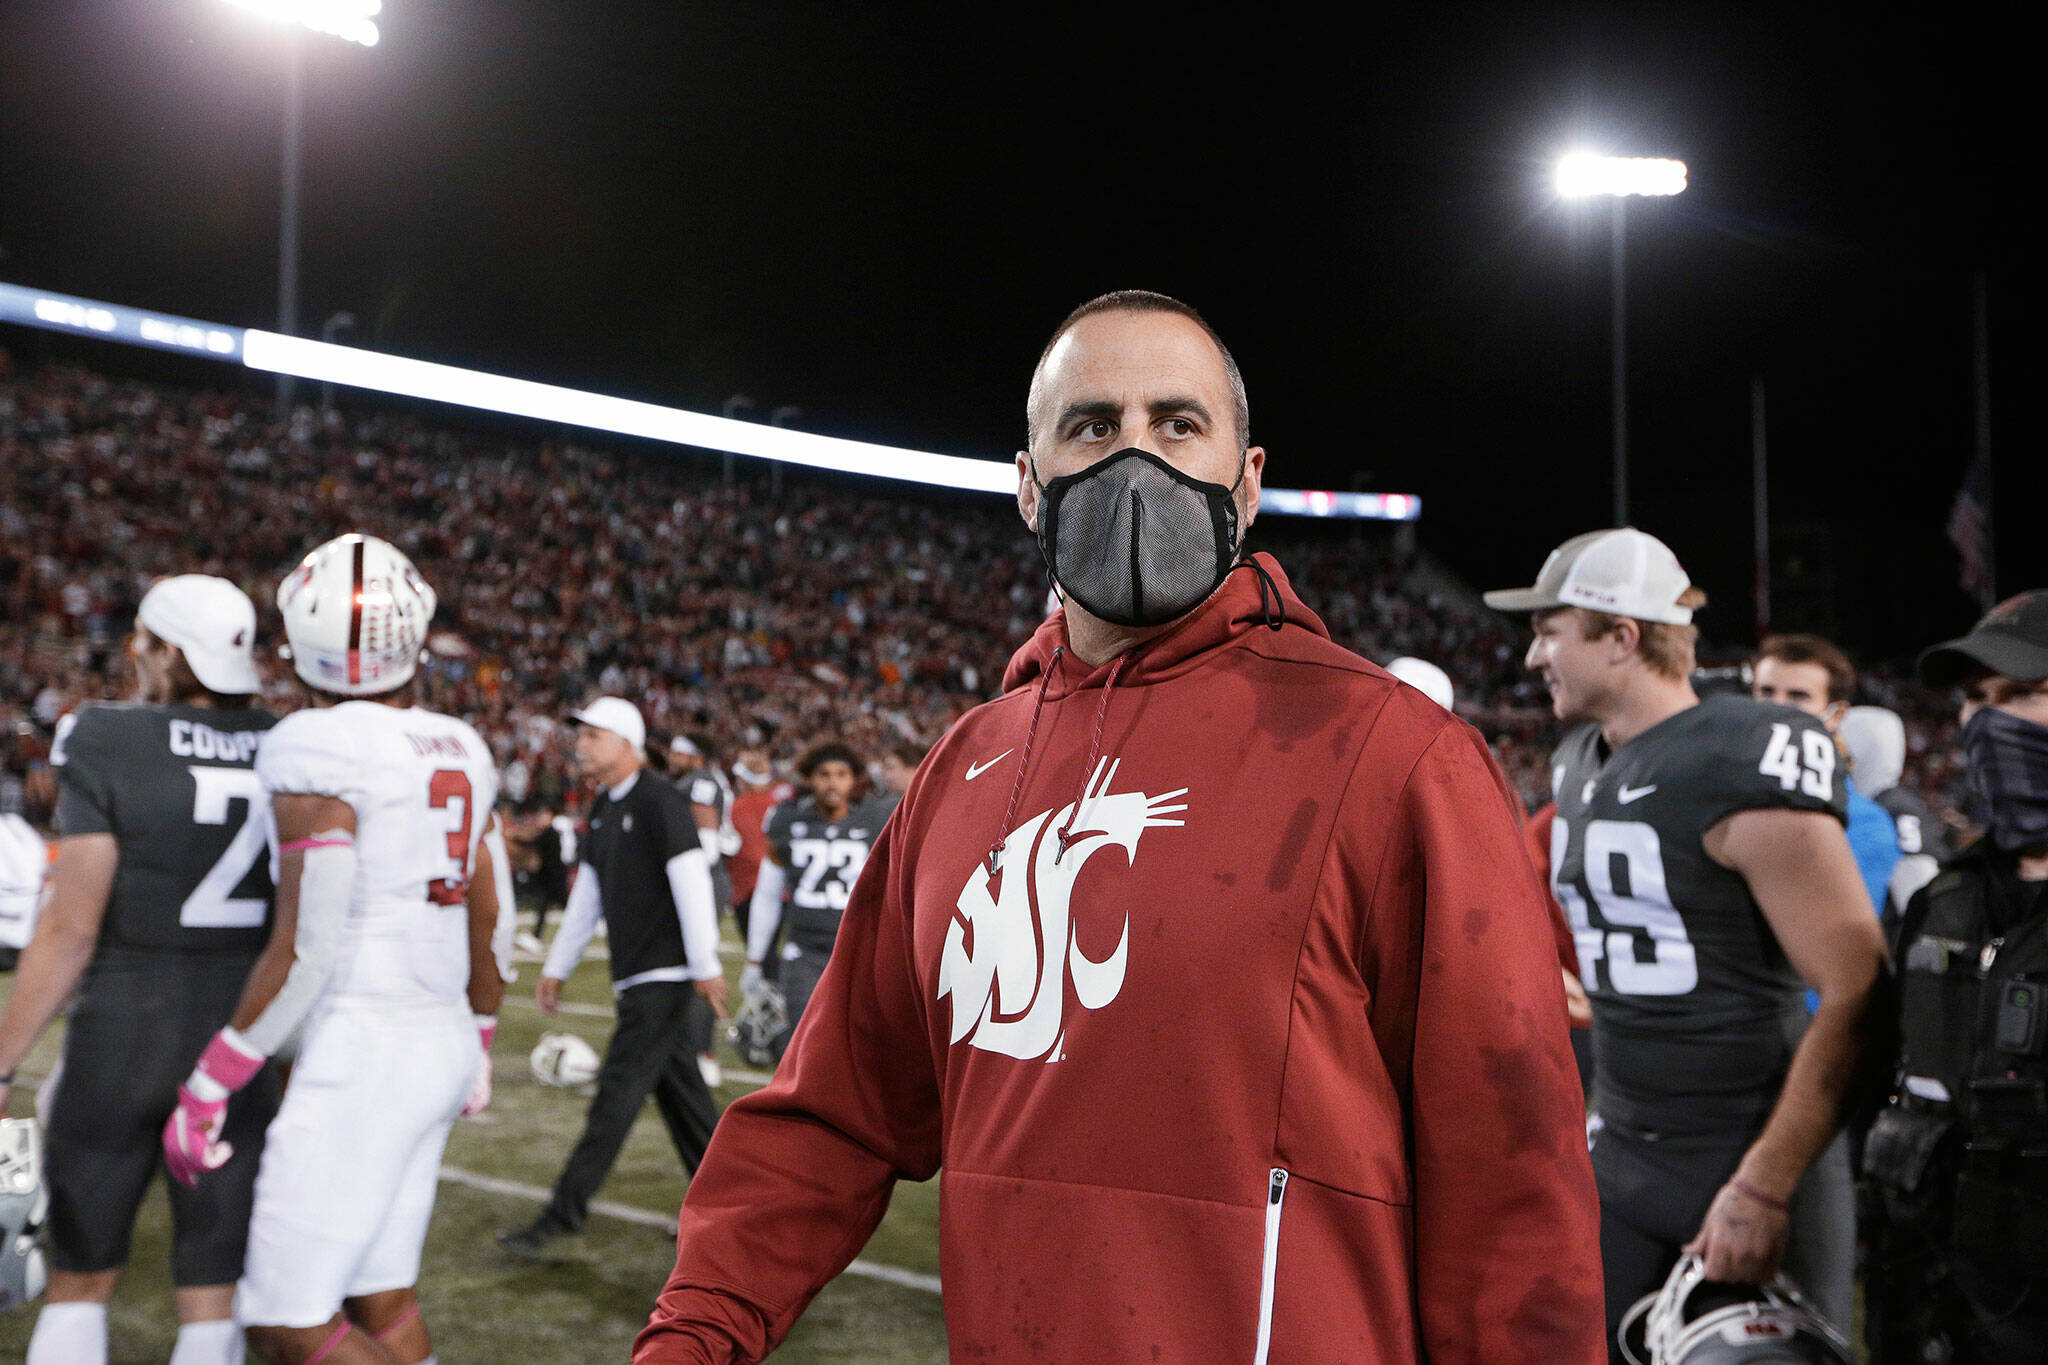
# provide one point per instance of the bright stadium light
(352, 20)
(327, 363)
(1583, 175)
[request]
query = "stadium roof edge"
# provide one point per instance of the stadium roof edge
(354, 366)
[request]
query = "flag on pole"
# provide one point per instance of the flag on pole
(1969, 530)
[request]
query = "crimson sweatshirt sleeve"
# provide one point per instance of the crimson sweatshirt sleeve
(1507, 1224)
(799, 1173)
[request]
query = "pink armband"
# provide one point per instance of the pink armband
(318, 841)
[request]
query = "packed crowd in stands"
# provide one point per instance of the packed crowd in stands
(736, 615)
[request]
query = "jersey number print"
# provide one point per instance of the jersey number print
(830, 868)
(1625, 880)
(447, 787)
(213, 903)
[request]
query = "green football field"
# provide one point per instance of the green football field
(590, 1301)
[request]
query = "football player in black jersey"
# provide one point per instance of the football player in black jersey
(817, 845)
(1699, 852)
(160, 903)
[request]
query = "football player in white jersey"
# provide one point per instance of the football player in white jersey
(383, 952)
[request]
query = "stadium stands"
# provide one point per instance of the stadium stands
(825, 610)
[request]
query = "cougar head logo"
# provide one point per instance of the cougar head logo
(1010, 949)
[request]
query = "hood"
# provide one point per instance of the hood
(1255, 596)
(1876, 741)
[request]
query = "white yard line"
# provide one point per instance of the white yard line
(626, 1213)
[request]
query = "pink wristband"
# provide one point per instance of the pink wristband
(232, 1066)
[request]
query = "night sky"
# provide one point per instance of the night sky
(877, 213)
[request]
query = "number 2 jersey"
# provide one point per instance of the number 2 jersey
(422, 786)
(1696, 1010)
(176, 787)
(823, 859)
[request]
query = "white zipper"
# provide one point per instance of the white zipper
(1276, 1195)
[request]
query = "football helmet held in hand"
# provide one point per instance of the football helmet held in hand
(761, 1020)
(1693, 1320)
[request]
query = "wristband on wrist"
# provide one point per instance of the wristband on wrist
(1749, 1191)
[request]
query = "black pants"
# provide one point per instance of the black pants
(652, 1049)
(134, 1033)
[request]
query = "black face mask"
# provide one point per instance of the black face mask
(1136, 541)
(2009, 769)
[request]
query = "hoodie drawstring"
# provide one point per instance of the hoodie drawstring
(995, 850)
(1066, 832)
(994, 860)
(1268, 589)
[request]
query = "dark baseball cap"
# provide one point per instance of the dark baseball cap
(2011, 641)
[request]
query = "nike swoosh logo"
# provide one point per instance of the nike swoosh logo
(975, 770)
(1628, 794)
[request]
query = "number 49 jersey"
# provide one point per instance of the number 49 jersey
(1695, 1008)
(824, 859)
(176, 787)
(422, 786)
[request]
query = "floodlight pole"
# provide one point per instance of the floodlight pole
(1620, 269)
(288, 213)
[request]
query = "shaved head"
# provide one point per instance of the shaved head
(1037, 419)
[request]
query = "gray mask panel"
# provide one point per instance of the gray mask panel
(1136, 541)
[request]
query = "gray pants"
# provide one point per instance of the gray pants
(1654, 1194)
(1822, 1259)
(801, 969)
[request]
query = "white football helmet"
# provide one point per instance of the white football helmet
(563, 1059)
(356, 614)
(1692, 1320)
(24, 1204)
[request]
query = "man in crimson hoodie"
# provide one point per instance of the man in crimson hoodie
(1206, 963)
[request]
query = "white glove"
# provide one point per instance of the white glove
(751, 981)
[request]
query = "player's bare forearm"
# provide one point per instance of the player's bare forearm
(486, 982)
(66, 934)
(1799, 868)
(1817, 1087)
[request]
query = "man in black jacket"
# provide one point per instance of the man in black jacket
(643, 869)
(1959, 1270)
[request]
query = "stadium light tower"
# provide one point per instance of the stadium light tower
(352, 21)
(1583, 175)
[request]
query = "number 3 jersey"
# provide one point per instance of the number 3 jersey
(422, 786)
(176, 787)
(1695, 1008)
(824, 859)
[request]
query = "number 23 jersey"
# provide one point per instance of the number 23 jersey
(1695, 1008)
(824, 859)
(422, 786)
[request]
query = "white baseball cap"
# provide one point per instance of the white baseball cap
(213, 624)
(683, 744)
(617, 715)
(1623, 572)
(1425, 677)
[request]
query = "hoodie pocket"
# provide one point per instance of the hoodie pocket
(1269, 1264)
